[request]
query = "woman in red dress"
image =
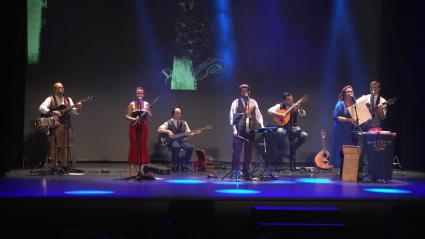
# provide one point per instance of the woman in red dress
(137, 113)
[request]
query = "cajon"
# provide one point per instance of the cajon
(350, 166)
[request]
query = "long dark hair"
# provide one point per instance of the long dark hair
(342, 93)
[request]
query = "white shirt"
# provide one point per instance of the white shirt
(44, 107)
(252, 102)
(367, 98)
(164, 126)
(275, 108)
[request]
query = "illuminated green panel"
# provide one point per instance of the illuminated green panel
(34, 25)
(182, 75)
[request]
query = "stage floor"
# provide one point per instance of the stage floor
(298, 185)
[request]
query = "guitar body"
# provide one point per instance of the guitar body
(166, 141)
(284, 121)
(322, 160)
(322, 157)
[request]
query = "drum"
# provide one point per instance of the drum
(48, 122)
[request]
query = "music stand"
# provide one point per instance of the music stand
(262, 166)
(70, 168)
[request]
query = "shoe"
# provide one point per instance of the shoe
(236, 174)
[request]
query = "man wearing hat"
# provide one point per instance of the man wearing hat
(245, 116)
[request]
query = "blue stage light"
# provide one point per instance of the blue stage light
(237, 191)
(185, 181)
(314, 180)
(388, 190)
(89, 192)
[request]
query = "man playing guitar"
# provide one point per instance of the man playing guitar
(285, 115)
(245, 116)
(377, 106)
(59, 136)
(171, 128)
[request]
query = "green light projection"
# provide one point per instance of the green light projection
(182, 77)
(35, 23)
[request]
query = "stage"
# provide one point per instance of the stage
(296, 185)
(196, 204)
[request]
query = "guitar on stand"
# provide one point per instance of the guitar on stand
(322, 158)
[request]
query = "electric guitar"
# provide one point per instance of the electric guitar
(165, 141)
(322, 158)
(51, 122)
(286, 113)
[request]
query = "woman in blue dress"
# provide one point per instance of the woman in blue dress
(343, 125)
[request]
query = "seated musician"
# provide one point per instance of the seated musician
(59, 136)
(283, 131)
(171, 128)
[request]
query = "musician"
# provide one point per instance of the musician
(59, 137)
(245, 116)
(343, 125)
(171, 128)
(283, 132)
(376, 106)
(137, 113)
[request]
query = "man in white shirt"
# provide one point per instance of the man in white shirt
(59, 137)
(173, 127)
(244, 116)
(377, 107)
(283, 131)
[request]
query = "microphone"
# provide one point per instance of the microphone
(139, 99)
(353, 99)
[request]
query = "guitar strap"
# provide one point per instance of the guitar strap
(55, 103)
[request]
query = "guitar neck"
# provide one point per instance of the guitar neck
(187, 133)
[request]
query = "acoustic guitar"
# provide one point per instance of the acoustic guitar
(51, 122)
(286, 113)
(322, 158)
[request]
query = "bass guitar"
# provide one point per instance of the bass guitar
(165, 141)
(286, 113)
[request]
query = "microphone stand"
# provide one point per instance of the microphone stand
(356, 129)
(139, 127)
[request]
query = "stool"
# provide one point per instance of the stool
(70, 159)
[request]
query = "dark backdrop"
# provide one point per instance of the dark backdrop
(103, 48)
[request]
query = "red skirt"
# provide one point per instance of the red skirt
(142, 142)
